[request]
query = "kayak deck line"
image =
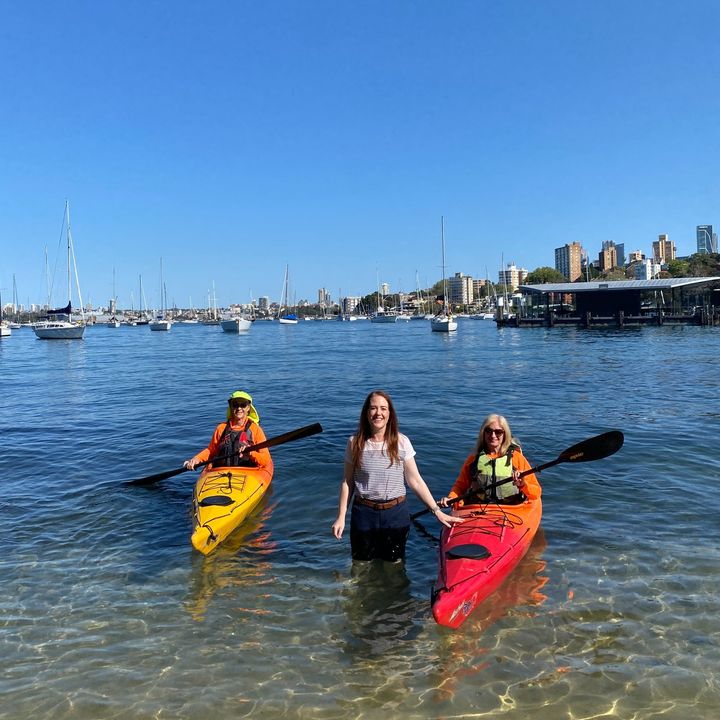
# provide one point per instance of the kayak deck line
(482, 571)
(476, 556)
(222, 499)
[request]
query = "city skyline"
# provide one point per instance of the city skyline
(233, 140)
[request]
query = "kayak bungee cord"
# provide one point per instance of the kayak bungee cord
(498, 523)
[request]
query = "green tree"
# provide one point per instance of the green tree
(678, 268)
(615, 273)
(704, 264)
(543, 275)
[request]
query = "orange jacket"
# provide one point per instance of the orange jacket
(261, 457)
(532, 489)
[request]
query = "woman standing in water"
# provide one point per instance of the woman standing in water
(379, 463)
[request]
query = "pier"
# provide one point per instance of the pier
(618, 303)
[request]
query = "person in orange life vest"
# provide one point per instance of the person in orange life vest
(497, 456)
(230, 438)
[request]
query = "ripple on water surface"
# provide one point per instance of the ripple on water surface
(107, 612)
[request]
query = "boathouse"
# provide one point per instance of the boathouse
(687, 301)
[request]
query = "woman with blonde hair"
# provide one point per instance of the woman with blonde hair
(497, 457)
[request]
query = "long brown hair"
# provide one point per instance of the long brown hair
(364, 431)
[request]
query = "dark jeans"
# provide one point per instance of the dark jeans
(379, 534)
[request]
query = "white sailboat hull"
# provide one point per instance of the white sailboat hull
(160, 324)
(5, 331)
(443, 324)
(59, 330)
(235, 325)
(383, 318)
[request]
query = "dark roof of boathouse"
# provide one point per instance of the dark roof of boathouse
(617, 285)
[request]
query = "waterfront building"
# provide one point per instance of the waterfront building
(512, 277)
(636, 256)
(460, 289)
(619, 303)
(350, 303)
(706, 239)
(663, 250)
(385, 289)
(263, 302)
(568, 260)
(480, 288)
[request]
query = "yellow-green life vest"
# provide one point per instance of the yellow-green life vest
(490, 470)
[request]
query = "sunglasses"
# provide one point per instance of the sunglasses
(493, 431)
(234, 404)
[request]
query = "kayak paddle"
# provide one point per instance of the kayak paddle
(272, 442)
(594, 448)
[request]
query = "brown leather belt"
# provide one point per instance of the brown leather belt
(375, 505)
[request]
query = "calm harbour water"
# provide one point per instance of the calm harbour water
(107, 612)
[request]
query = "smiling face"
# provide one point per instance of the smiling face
(239, 409)
(378, 414)
(494, 435)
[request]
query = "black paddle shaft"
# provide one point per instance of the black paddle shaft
(594, 448)
(271, 442)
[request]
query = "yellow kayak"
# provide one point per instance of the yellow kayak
(223, 498)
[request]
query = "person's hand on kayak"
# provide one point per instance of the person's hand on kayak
(444, 518)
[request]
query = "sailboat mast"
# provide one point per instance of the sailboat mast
(67, 216)
(442, 243)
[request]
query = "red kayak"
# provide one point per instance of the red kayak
(477, 556)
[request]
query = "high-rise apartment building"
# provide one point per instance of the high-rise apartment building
(706, 239)
(568, 260)
(323, 297)
(349, 303)
(480, 288)
(512, 277)
(607, 259)
(663, 250)
(620, 252)
(460, 289)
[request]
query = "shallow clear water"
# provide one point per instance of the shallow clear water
(107, 612)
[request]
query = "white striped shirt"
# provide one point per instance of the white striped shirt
(374, 480)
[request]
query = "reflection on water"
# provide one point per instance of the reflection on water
(238, 561)
(379, 608)
(465, 654)
(108, 612)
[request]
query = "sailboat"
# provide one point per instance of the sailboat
(211, 315)
(113, 322)
(14, 324)
(286, 318)
(59, 325)
(444, 320)
(381, 315)
(161, 320)
(5, 330)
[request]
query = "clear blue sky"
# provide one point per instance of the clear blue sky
(233, 137)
